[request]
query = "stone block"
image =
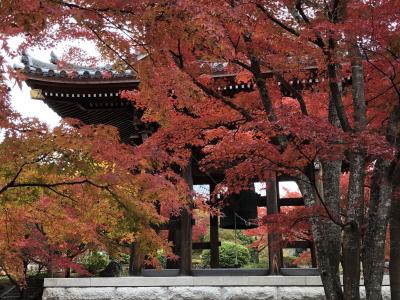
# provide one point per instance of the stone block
(142, 293)
(194, 293)
(67, 282)
(220, 280)
(79, 293)
(53, 294)
(249, 293)
(313, 281)
(112, 281)
(301, 293)
(100, 293)
(277, 280)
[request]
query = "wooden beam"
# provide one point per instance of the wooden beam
(203, 245)
(173, 223)
(299, 244)
(262, 201)
(291, 201)
(285, 177)
(299, 201)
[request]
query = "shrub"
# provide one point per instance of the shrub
(94, 261)
(288, 262)
(227, 254)
(162, 259)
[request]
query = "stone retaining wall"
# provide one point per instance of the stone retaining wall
(190, 288)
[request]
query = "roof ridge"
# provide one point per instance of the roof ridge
(38, 67)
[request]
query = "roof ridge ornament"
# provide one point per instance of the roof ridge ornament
(54, 58)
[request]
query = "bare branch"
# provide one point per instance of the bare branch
(178, 57)
(318, 41)
(108, 46)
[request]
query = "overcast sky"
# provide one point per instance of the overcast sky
(20, 98)
(22, 102)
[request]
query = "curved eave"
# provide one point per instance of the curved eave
(121, 118)
(40, 81)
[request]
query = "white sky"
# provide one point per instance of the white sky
(20, 98)
(22, 102)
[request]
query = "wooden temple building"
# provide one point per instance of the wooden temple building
(93, 96)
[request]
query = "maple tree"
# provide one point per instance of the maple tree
(53, 184)
(290, 224)
(301, 109)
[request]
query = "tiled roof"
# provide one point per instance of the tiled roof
(35, 67)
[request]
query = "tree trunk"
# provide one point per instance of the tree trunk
(393, 136)
(331, 180)
(274, 252)
(352, 233)
(395, 243)
(375, 235)
(325, 232)
(329, 277)
(355, 200)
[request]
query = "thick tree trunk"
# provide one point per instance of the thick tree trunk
(394, 139)
(375, 235)
(395, 243)
(352, 234)
(329, 275)
(355, 205)
(326, 233)
(331, 180)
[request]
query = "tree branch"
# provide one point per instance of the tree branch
(318, 41)
(178, 58)
(92, 9)
(301, 11)
(294, 92)
(108, 46)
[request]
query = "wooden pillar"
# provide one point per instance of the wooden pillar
(174, 238)
(274, 254)
(185, 267)
(214, 237)
(313, 255)
(214, 242)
